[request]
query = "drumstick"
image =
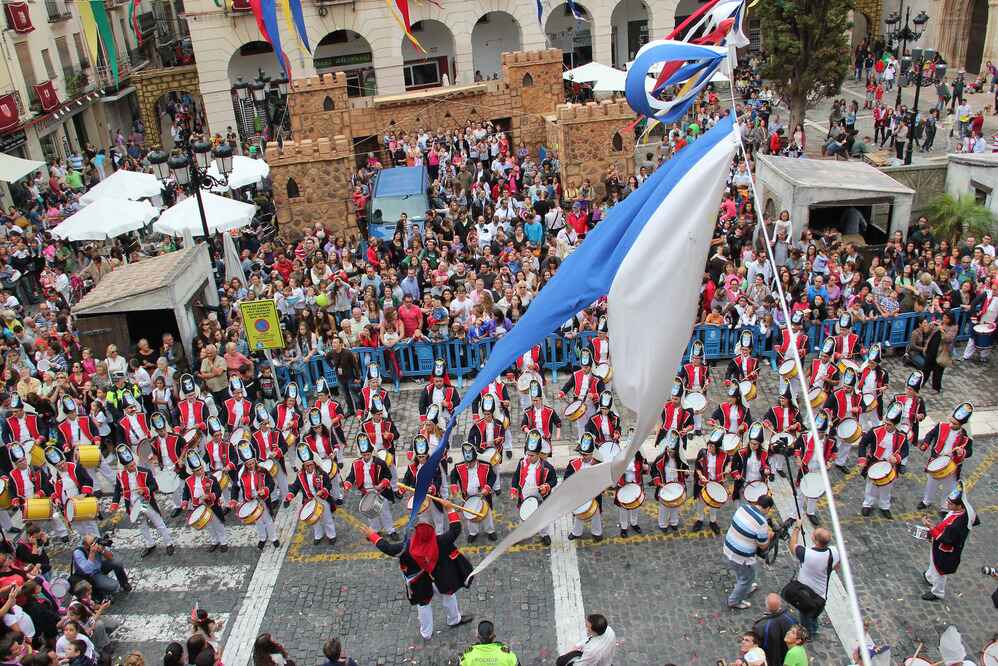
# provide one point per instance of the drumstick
(441, 501)
(917, 650)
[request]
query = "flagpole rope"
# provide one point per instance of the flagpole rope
(857, 616)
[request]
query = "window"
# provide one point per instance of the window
(81, 52)
(618, 142)
(421, 74)
(47, 60)
(528, 80)
(23, 51)
(293, 191)
(327, 104)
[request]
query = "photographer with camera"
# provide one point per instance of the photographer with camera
(747, 538)
(93, 561)
(809, 589)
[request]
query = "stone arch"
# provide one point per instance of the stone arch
(630, 23)
(328, 104)
(427, 70)
(956, 29)
(617, 142)
(292, 188)
(348, 51)
(152, 84)
(527, 80)
(494, 33)
(860, 27)
(572, 36)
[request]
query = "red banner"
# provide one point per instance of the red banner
(46, 95)
(18, 16)
(10, 116)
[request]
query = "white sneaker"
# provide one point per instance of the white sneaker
(741, 605)
(755, 586)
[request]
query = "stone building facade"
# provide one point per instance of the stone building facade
(590, 139)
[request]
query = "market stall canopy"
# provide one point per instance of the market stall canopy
(222, 213)
(105, 218)
(14, 168)
(245, 171)
(592, 72)
(124, 185)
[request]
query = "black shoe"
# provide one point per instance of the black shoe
(277, 543)
(491, 536)
(573, 537)
(697, 526)
(715, 528)
(339, 502)
(287, 503)
(928, 596)
(316, 542)
(781, 473)
(465, 619)
(922, 506)
(260, 544)
(546, 540)
(213, 547)
(902, 469)
(813, 519)
(842, 468)
(597, 538)
(126, 589)
(64, 539)
(867, 510)
(636, 528)
(926, 579)
(472, 538)
(886, 513)
(170, 550)
(509, 455)
(224, 548)
(148, 551)
(623, 533)
(663, 530)
(331, 540)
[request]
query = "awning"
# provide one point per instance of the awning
(14, 168)
(105, 218)
(124, 92)
(222, 214)
(124, 184)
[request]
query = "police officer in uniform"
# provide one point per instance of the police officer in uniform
(488, 651)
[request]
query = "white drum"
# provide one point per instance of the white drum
(167, 481)
(731, 443)
(527, 507)
(696, 402)
(754, 490)
(607, 451)
(811, 486)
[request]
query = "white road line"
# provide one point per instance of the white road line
(130, 538)
(569, 611)
(156, 628)
(246, 627)
(171, 579)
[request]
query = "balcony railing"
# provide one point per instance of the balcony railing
(77, 82)
(57, 11)
(127, 64)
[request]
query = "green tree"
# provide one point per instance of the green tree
(808, 50)
(950, 217)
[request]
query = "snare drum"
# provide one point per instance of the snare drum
(731, 443)
(371, 503)
(523, 383)
(35, 453)
(788, 369)
(575, 410)
(984, 336)
(192, 438)
(167, 481)
(222, 477)
(714, 495)
(89, 456)
(587, 510)
(527, 507)
(846, 364)
(817, 397)
(869, 402)
(250, 512)
(604, 372)
(199, 518)
(748, 391)
(695, 402)
(849, 431)
(630, 496)
(311, 512)
(672, 495)
(989, 656)
(329, 466)
(941, 467)
(38, 508)
(811, 486)
(4, 494)
(422, 507)
(754, 490)
(269, 466)
(882, 473)
(490, 456)
(917, 661)
(81, 508)
(386, 456)
(476, 508)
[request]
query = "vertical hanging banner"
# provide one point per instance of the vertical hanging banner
(133, 20)
(46, 95)
(295, 20)
(10, 115)
(106, 34)
(18, 16)
(90, 35)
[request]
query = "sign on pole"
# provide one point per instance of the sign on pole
(262, 324)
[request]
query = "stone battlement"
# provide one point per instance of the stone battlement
(594, 111)
(524, 58)
(322, 148)
(323, 82)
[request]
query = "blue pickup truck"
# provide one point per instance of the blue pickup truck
(396, 191)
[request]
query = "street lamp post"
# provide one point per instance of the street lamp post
(918, 62)
(901, 35)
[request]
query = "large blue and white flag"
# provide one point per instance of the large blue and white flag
(648, 256)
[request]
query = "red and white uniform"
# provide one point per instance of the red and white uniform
(135, 427)
(695, 377)
(845, 404)
(193, 413)
(330, 411)
(288, 418)
(601, 350)
(24, 429)
(846, 345)
(822, 372)
(238, 413)
(267, 444)
(783, 348)
(77, 432)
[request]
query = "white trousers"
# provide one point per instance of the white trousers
(104, 469)
(580, 424)
(628, 517)
(968, 353)
(433, 516)
(668, 516)
(933, 485)
(383, 522)
(507, 444)
(265, 528)
(809, 505)
(778, 462)
(881, 495)
(152, 516)
(936, 579)
(697, 423)
(843, 451)
(81, 527)
(451, 612)
(324, 526)
(579, 526)
(282, 481)
(215, 527)
(710, 511)
(337, 483)
(473, 528)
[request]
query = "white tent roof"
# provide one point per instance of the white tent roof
(105, 218)
(124, 185)
(245, 171)
(222, 213)
(14, 168)
(591, 72)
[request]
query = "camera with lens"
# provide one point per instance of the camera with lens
(781, 532)
(989, 571)
(104, 541)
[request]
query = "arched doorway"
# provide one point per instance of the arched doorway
(180, 113)
(685, 8)
(572, 35)
(860, 28)
(251, 62)
(436, 66)
(495, 33)
(348, 52)
(978, 32)
(153, 86)
(628, 31)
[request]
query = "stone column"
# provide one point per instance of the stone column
(990, 45)
(600, 30)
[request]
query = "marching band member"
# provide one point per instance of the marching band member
(804, 450)
(731, 416)
(783, 348)
(487, 433)
(912, 409)
(381, 432)
(533, 477)
(313, 484)
(77, 430)
(500, 395)
(255, 484)
(433, 427)
(69, 480)
(439, 393)
(668, 468)
(947, 438)
(268, 444)
(540, 417)
(696, 377)
(329, 410)
(529, 362)
(193, 410)
(743, 367)
(752, 463)
(675, 416)
(168, 452)
(604, 425)
(370, 475)
(884, 442)
(873, 381)
(844, 403)
(133, 424)
(783, 417)
(372, 389)
(22, 427)
(712, 464)
(419, 454)
(469, 478)
(824, 372)
(431, 564)
(28, 482)
(600, 345)
(287, 417)
(983, 310)
(587, 450)
(221, 455)
(847, 345)
(948, 537)
(633, 474)
(202, 489)
(583, 385)
(137, 484)
(324, 448)
(238, 410)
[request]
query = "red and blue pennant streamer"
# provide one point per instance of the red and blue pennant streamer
(265, 12)
(691, 67)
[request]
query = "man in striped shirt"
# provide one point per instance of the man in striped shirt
(749, 533)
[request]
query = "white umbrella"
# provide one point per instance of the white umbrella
(124, 185)
(14, 168)
(222, 213)
(245, 171)
(612, 81)
(590, 73)
(105, 218)
(233, 267)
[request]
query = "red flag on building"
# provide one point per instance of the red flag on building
(10, 115)
(18, 16)
(46, 95)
